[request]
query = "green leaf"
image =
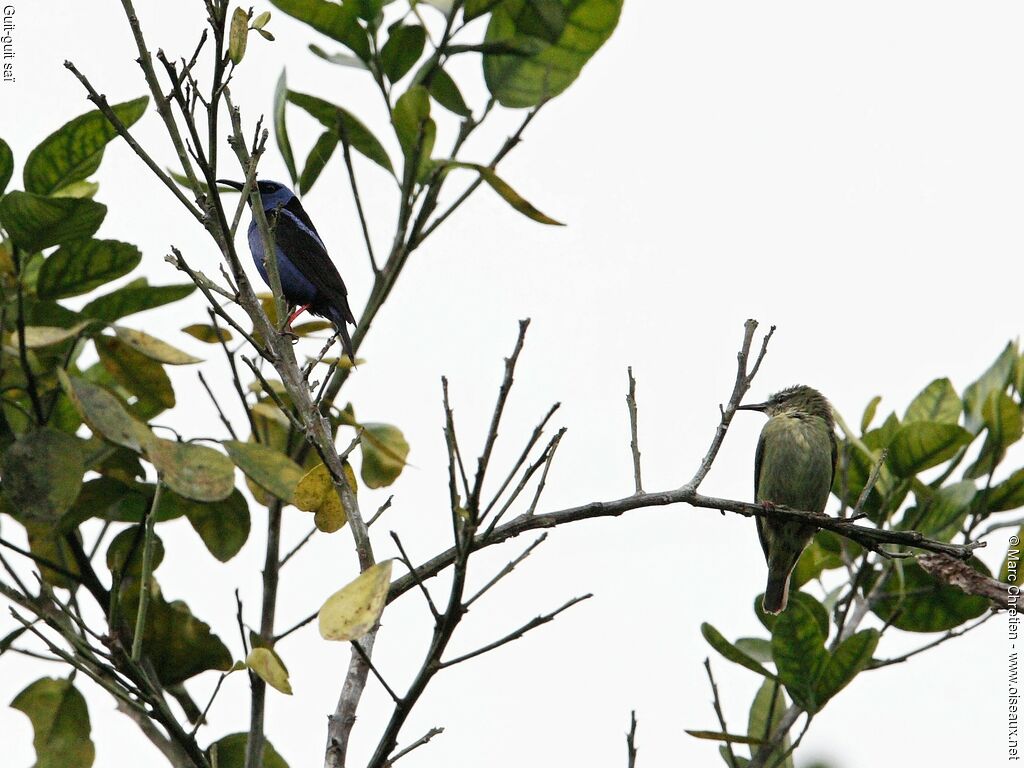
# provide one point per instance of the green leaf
(284, 144)
(384, 452)
(756, 648)
(48, 541)
(816, 609)
(845, 663)
(261, 20)
(922, 445)
(124, 553)
(208, 333)
(341, 59)
(153, 348)
(178, 644)
(921, 603)
(732, 738)
(318, 157)
(506, 192)
(60, 721)
(6, 165)
(765, 717)
(474, 8)
(193, 471)
(341, 120)
(238, 35)
(731, 652)
(566, 32)
(946, 510)
(815, 559)
(104, 413)
(143, 377)
(42, 473)
(35, 222)
(798, 647)
(938, 402)
(995, 379)
(446, 93)
(231, 752)
(78, 189)
(1007, 495)
(1003, 427)
(222, 525)
(74, 151)
(134, 297)
(414, 127)
(338, 22)
(269, 468)
(81, 266)
(402, 50)
(268, 666)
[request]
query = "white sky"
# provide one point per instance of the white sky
(850, 174)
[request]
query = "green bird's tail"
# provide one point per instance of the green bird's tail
(776, 594)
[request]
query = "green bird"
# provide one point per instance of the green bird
(794, 467)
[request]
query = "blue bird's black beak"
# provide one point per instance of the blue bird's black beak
(233, 184)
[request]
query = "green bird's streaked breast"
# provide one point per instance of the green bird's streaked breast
(794, 463)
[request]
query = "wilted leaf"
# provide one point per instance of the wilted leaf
(39, 336)
(316, 493)
(355, 609)
(208, 333)
(565, 33)
(231, 752)
(238, 35)
(271, 469)
(35, 222)
(140, 375)
(81, 266)
(153, 348)
(42, 473)
(194, 471)
(509, 195)
(268, 665)
(60, 721)
(104, 413)
(384, 452)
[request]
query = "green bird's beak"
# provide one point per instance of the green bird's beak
(753, 407)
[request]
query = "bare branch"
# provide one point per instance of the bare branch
(634, 445)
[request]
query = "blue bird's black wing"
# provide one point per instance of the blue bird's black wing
(296, 236)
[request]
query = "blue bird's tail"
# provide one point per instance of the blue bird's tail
(341, 321)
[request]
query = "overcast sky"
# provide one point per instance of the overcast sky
(849, 173)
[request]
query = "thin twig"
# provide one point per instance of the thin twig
(631, 741)
(418, 743)
(718, 711)
(634, 445)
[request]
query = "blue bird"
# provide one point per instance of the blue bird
(309, 279)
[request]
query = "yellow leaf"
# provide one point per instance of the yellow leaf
(355, 609)
(316, 493)
(268, 665)
(237, 36)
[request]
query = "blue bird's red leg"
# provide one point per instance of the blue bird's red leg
(295, 314)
